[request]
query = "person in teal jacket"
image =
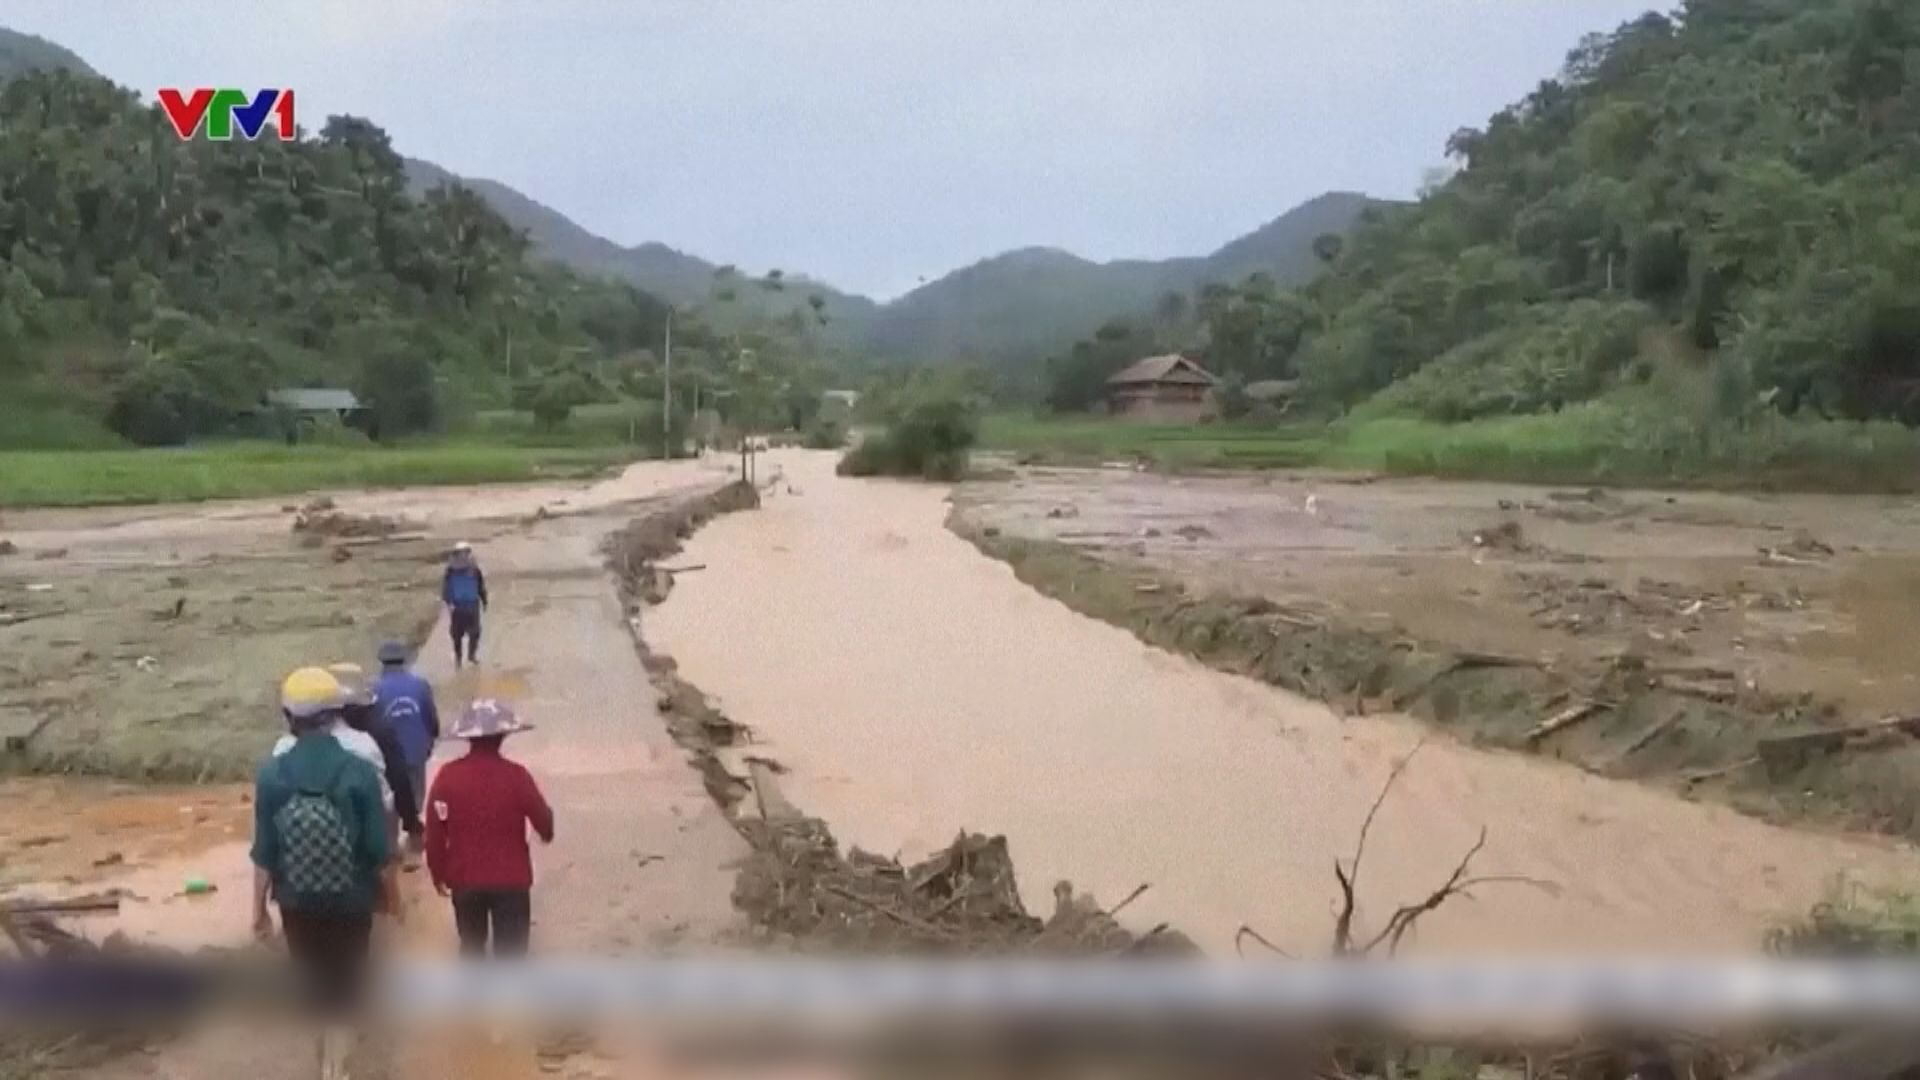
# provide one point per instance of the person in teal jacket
(320, 839)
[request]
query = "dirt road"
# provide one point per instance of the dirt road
(915, 688)
(642, 860)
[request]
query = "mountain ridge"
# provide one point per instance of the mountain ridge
(21, 52)
(1024, 300)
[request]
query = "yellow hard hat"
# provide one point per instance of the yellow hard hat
(310, 691)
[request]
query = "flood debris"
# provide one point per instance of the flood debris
(1503, 536)
(315, 521)
(800, 892)
(1194, 532)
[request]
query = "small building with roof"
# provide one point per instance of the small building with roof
(1170, 387)
(316, 402)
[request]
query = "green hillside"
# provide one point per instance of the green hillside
(1724, 203)
(1027, 302)
(160, 289)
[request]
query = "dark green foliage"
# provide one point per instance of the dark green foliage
(824, 434)
(1541, 363)
(239, 268)
(929, 439)
(160, 403)
(397, 386)
(1749, 171)
(553, 397)
(1077, 381)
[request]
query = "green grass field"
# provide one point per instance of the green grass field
(1095, 439)
(234, 470)
(1601, 442)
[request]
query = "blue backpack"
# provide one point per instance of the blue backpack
(463, 588)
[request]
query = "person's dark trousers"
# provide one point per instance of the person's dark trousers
(464, 625)
(507, 912)
(331, 951)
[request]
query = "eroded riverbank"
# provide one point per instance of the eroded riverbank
(915, 688)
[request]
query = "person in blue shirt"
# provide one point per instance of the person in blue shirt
(404, 702)
(464, 591)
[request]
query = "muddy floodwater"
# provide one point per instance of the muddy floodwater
(915, 688)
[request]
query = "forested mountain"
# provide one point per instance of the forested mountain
(722, 294)
(1730, 193)
(166, 287)
(21, 53)
(1015, 305)
(1037, 299)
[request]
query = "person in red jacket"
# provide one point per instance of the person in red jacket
(479, 810)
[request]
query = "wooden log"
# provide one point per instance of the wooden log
(1566, 718)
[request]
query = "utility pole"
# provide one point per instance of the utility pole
(666, 395)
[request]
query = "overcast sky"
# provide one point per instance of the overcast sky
(874, 143)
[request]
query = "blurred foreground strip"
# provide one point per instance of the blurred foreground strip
(1496, 993)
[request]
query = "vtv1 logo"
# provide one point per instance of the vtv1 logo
(221, 111)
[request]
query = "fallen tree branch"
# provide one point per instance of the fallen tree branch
(889, 911)
(1404, 919)
(1642, 740)
(1349, 877)
(1131, 897)
(1250, 932)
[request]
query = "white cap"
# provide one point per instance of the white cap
(463, 546)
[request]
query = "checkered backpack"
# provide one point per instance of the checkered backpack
(316, 845)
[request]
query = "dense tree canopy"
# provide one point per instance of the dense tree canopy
(176, 283)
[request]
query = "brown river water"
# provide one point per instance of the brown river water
(915, 688)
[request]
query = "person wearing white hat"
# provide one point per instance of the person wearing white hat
(478, 813)
(464, 590)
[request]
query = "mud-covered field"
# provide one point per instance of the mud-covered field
(1689, 637)
(159, 660)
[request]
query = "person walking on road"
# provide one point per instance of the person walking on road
(404, 702)
(464, 590)
(319, 843)
(479, 810)
(403, 812)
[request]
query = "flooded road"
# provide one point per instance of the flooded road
(915, 688)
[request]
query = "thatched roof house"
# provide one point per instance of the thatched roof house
(1170, 387)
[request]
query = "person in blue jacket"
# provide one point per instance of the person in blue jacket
(404, 703)
(464, 590)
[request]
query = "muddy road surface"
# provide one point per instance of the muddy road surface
(643, 858)
(914, 688)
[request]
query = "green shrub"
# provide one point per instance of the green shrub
(824, 434)
(930, 439)
(1559, 355)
